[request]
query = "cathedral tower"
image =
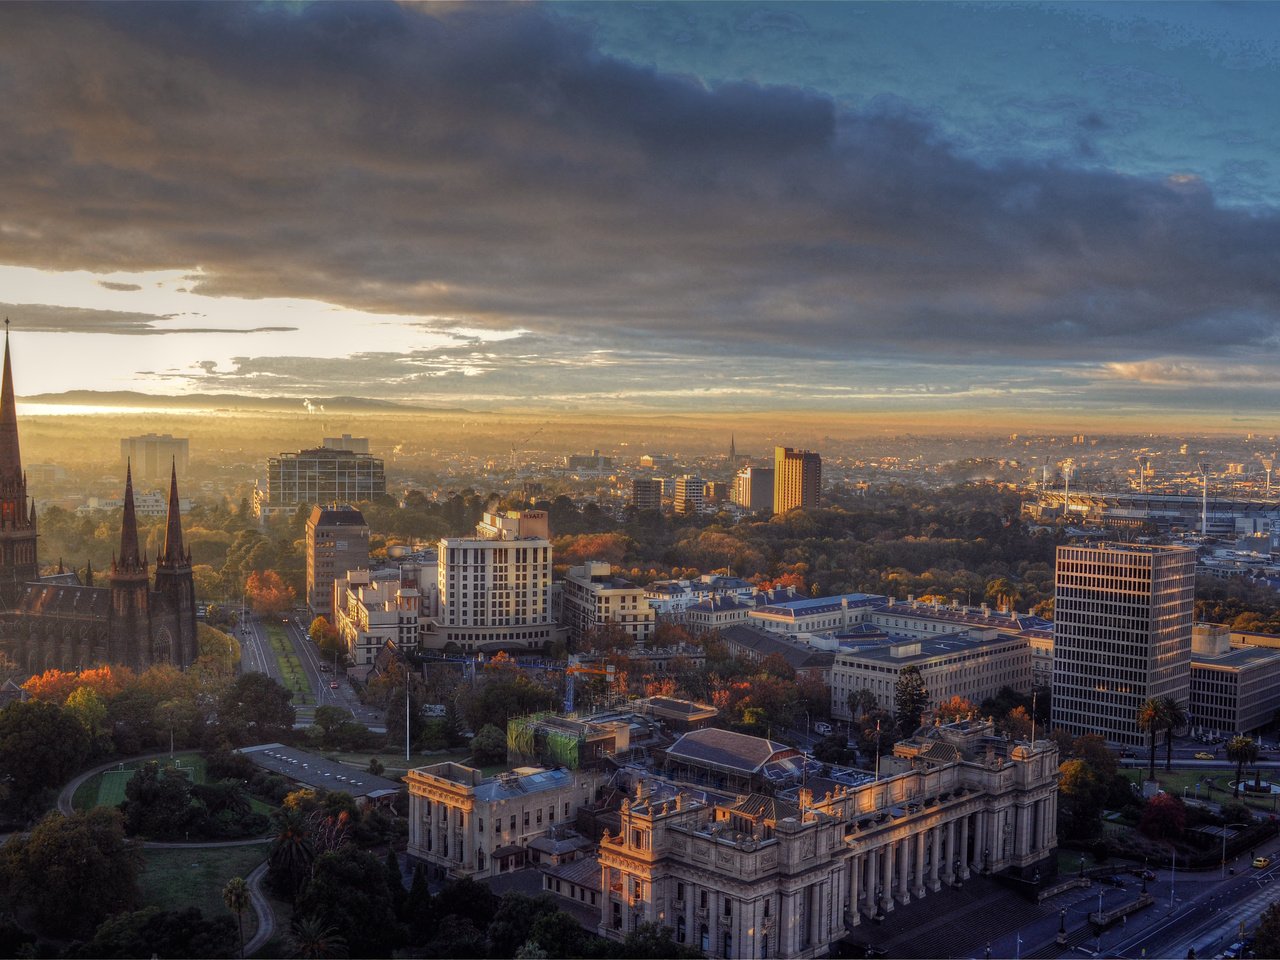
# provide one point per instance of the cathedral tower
(130, 626)
(174, 619)
(17, 513)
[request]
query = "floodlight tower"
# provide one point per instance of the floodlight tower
(1067, 466)
(1267, 464)
(1144, 464)
(1204, 498)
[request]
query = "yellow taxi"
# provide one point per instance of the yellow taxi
(1261, 862)
(1204, 756)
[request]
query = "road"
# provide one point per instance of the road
(314, 664)
(256, 655)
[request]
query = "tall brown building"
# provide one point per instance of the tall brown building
(58, 622)
(337, 542)
(797, 479)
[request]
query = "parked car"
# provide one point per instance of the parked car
(1233, 951)
(1204, 756)
(1115, 880)
(822, 728)
(1262, 862)
(333, 684)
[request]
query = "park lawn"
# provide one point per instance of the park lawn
(106, 789)
(1177, 781)
(177, 878)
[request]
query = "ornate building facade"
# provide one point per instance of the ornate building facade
(762, 876)
(59, 622)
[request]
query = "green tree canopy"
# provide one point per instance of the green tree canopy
(41, 746)
(910, 697)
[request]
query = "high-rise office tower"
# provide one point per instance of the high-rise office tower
(646, 493)
(689, 496)
(753, 489)
(797, 479)
(1122, 635)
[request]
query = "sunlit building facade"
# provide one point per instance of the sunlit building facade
(797, 479)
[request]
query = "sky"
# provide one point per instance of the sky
(948, 208)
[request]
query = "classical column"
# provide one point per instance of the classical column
(855, 865)
(979, 839)
(869, 885)
(904, 869)
(1025, 832)
(935, 835)
(919, 864)
(964, 847)
(886, 878)
(949, 854)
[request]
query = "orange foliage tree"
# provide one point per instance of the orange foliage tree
(957, 708)
(268, 594)
(55, 686)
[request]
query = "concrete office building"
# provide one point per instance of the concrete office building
(646, 493)
(1235, 687)
(153, 454)
(753, 489)
(1122, 635)
(797, 479)
(321, 475)
(495, 588)
(763, 876)
(347, 442)
(953, 665)
(592, 598)
(337, 541)
(689, 497)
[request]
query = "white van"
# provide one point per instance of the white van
(822, 728)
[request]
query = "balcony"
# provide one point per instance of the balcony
(701, 913)
(726, 919)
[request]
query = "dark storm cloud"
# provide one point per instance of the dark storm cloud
(484, 162)
(42, 318)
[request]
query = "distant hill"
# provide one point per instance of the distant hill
(225, 401)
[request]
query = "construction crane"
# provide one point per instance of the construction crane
(522, 443)
(576, 667)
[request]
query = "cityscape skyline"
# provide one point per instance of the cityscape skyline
(894, 210)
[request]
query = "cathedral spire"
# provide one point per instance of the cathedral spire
(173, 555)
(10, 458)
(129, 556)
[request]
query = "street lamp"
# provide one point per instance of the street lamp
(1062, 922)
(1082, 865)
(1222, 874)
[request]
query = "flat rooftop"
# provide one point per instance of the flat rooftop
(930, 648)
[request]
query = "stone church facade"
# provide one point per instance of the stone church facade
(137, 619)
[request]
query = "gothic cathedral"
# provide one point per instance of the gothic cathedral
(57, 621)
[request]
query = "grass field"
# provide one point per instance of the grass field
(106, 789)
(1178, 781)
(292, 675)
(175, 879)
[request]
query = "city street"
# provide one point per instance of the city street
(312, 662)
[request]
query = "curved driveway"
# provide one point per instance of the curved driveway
(266, 917)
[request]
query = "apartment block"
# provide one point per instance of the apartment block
(337, 541)
(797, 479)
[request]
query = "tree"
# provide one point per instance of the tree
(1241, 751)
(488, 746)
(292, 853)
(157, 803)
(1017, 723)
(1151, 719)
(268, 594)
(1266, 940)
(862, 701)
(348, 891)
(41, 746)
(83, 859)
(256, 709)
(559, 935)
(1082, 792)
(1174, 715)
(910, 697)
(650, 941)
(236, 896)
(957, 708)
(513, 922)
(87, 707)
(1092, 749)
(155, 932)
(313, 939)
(1164, 817)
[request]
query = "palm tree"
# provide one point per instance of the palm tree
(1241, 750)
(292, 853)
(1175, 716)
(236, 896)
(1151, 719)
(312, 940)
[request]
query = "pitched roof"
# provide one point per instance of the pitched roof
(585, 872)
(725, 748)
(759, 807)
(764, 643)
(57, 599)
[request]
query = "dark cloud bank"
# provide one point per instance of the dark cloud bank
(484, 162)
